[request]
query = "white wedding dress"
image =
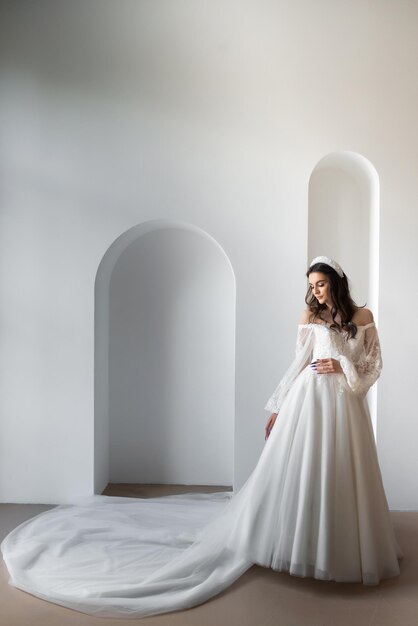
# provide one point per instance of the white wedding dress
(313, 506)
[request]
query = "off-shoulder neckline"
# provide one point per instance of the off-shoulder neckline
(364, 326)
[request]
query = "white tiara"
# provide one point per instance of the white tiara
(328, 261)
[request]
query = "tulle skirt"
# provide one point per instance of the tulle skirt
(313, 506)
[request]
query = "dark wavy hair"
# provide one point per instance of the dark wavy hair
(342, 302)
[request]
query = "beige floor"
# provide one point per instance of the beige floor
(261, 597)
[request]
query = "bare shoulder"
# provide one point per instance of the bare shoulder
(305, 316)
(362, 317)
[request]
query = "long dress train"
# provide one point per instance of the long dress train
(313, 506)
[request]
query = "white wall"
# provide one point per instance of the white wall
(172, 361)
(211, 113)
(343, 219)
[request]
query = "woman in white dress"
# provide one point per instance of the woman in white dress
(313, 506)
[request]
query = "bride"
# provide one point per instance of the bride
(313, 506)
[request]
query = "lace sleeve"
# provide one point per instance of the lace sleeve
(360, 376)
(304, 347)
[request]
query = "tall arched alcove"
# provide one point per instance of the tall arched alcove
(343, 223)
(164, 358)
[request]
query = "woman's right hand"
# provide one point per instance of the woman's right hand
(270, 424)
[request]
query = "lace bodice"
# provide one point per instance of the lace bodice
(359, 356)
(329, 343)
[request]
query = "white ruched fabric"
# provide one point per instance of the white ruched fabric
(313, 506)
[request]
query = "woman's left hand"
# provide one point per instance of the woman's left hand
(326, 366)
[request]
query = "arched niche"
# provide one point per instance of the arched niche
(164, 358)
(343, 223)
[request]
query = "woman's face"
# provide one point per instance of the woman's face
(319, 285)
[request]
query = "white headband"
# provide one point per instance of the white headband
(330, 262)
